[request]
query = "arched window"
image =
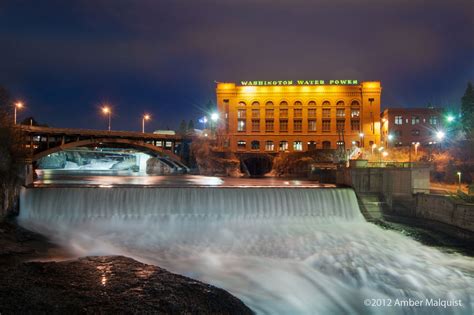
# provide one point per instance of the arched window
(355, 103)
(255, 145)
(326, 103)
(269, 104)
(326, 145)
(241, 144)
(340, 103)
(283, 103)
(242, 103)
(298, 146)
(311, 103)
(283, 145)
(255, 103)
(269, 146)
(311, 145)
(298, 104)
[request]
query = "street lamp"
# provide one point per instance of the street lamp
(214, 117)
(440, 135)
(450, 118)
(145, 117)
(459, 180)
(17, 105)
(106, 110)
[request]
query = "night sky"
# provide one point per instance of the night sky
(65, 58)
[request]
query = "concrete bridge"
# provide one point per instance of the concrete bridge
(42, 141)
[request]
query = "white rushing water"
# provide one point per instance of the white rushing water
(280, 250)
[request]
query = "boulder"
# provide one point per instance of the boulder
(108, 285)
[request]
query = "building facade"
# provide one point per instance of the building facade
(407, 126)
(275, 116)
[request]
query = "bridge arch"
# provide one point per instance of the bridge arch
(137, 144)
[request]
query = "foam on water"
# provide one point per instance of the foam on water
(281, 250)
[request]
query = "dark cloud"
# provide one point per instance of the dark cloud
(165, 55)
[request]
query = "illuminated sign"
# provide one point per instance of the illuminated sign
(299, 82)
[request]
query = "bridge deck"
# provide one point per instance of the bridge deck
(36, 130)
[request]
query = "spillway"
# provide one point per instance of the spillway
(280, 250)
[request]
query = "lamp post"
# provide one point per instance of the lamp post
(145, 117)
(16, 106)
(459, 180)
(106, 110)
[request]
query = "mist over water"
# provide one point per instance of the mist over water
(280, 250)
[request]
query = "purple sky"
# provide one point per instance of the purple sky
(65, 58)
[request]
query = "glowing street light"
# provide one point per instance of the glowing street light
(373, 147)
(450, 118)
(214, 117)
(361, 135)
(385, 153)
(107, 111)
(440, 135)
(17, 105)
(145, 117)
(459, 180)
(416, 148)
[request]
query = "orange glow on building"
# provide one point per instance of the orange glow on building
(298, 117)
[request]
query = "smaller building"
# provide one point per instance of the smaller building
(407, 126)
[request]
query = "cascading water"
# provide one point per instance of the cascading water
(280, 250)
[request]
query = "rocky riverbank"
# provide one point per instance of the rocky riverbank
(102, 284)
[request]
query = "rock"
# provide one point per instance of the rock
(108, 284)
(154, 166)
(124, 165)
(53, 161)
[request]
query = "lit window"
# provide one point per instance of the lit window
(433, 120)
(283, 145)
(398, 120)
(415, 120)
(340, 112)
(355, 113)
(298, 146)
(241, 125)
(241, 145)
(269, 146)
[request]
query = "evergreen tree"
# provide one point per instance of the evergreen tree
(467, 111)
(182, 128)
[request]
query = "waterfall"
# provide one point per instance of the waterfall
(282, 250)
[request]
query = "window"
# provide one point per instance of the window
(415, 132)
(340, 124)
(312, 125)
(255, 125)
(326, 112)
(340, 103)
(312, 112)
(340, 112)
(269, 146)
(397, 133)
(242, 103)
(283, 125)
(355, 125)
(326, 125)
(326, 145)
(298, 112)
(269, 104)
(297, 125)
(355, 113)
(269, 113)
(283, 104)
(298, 104)
(269, 125)
(283, 145)
(311, 103)
(311, 145)
(241, 125)
(255, 113)
(355, 103)
(255, 145)
(298, 146)
(433, 120)
(398, 120)
(255, 103)
(241, 113)
(415, 120)
(283, 112)
(241, 145)
(326, 103)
